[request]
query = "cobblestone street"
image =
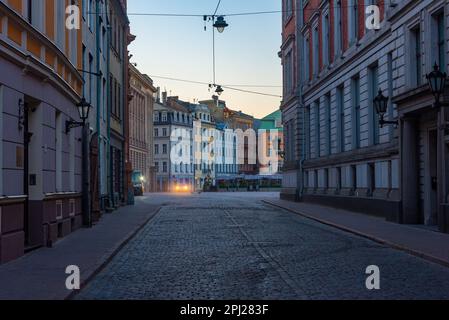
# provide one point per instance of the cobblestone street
(234, 246)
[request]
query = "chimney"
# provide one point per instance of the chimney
(164, 97)
(158, 94)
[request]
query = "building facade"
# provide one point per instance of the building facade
(203, 144)
(94, 70)
(349, 159)
(49, 67)
(40, 181)
(119, 165)
(226, 167)
(290, 105)
(141, 127)
(173, 155)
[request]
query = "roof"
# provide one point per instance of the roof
(221, 126)
(269, 122)
(277, 115)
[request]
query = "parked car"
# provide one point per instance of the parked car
(138, 183)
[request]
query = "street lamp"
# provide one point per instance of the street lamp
(219, 90)
(220, 24)
(381, 105)
(437, 83)
(83, 110)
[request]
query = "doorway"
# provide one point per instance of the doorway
(32, 178)
(431, 185)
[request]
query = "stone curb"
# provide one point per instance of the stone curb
(107, 257)
(371, 237)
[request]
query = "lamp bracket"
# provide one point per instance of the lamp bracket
(72, 124)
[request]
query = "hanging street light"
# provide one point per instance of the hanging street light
(437, 83)
(219, 90)
(220, 24)
(381, 105)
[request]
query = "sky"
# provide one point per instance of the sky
(178, 47)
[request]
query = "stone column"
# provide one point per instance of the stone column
(410, 171)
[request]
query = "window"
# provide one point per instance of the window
(164, 132)
(90, 16)
(340, 119)
(354, 21)
(372, 92)
(355, 86)
(288, 9)
(164, 149)
(156, 166)
(156, 132)
(164, 167)
(326, 40)
(306, 58)
(416, 57)
(156, 149)
(317, 129)
(338, 34)
(327, 101)
(58, 142)
(288, 73)
(91, 81)
(156, 117)
(316, 52)
(390, 92)
(164, 116)
(72, 211)
(441, 41)
(60, 24)
(119, 100)
(35, 13)
(308, 132)
(59, 214)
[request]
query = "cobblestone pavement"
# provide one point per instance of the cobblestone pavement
(233, 246)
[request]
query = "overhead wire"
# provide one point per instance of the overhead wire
(230, 87)
(235, 13)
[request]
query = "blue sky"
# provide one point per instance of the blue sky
(178, 47)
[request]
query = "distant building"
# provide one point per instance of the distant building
(226, 167)
(203, 146)
(271, 133)
(235, 120)
(171, 119)
(141, 127)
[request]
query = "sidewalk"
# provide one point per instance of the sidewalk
(40, 275)
(427, 244)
